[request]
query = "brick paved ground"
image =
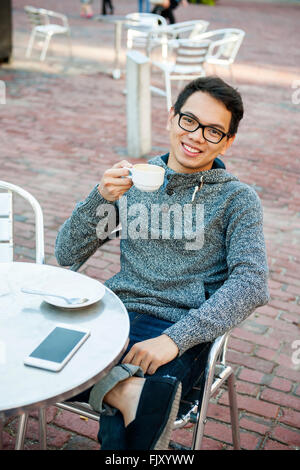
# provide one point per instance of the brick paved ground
(64, 123)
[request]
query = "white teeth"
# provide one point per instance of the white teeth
(190, 149)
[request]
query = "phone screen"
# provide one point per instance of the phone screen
(58, 344)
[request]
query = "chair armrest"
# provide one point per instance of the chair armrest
(60, 16)
(218, 43)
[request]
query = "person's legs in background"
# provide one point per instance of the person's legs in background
(141, 6)
(86, 10)
(166, 11)
(168, 14)
(105, 4)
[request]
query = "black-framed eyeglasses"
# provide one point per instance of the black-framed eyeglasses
(191, 124)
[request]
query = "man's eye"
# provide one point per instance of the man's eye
(188, 120)
(214, 131)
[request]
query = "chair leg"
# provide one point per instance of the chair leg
(21, 431)
(234, 412)
(164, 49)
(43, 429)
(129, 40)
(30, 44)
(45, 47)
(198, 432)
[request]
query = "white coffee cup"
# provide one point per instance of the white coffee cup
(147, 177)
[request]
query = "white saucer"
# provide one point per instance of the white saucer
(68, 284)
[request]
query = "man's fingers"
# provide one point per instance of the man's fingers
(127, 359)
(145, 363)
(117, 181)
(142, 359)
(122, 164)
(117, 172)
(152, 368)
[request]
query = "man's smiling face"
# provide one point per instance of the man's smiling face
(189, 151)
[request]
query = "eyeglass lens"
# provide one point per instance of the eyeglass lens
(209, 133)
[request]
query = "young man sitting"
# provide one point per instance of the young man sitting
(180, 294)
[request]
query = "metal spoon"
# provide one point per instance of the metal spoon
(69, 301)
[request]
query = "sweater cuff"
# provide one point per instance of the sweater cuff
(175, 336)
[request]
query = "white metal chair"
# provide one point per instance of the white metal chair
(189, 64)
(6, 222)
(216, 373)
(137, 35)
(42, 28)
(225, 44)
(7, 193)
(167, 36)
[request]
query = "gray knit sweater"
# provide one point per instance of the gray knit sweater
(192, 252)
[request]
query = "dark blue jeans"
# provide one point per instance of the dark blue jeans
(187, 369)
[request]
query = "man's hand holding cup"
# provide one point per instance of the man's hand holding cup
(114, 182)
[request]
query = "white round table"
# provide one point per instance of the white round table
(25, 319)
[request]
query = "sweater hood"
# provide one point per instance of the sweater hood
(217, 174)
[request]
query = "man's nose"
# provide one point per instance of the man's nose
(197, 136)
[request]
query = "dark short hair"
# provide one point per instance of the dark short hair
(219, 90)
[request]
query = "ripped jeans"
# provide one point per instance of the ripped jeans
(187, 368)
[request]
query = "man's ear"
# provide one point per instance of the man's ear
(228, 144)
(170, 117)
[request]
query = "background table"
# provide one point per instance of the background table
(119, 21)
(26, 319)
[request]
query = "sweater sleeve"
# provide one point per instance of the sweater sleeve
(246, 287)
(90, 226)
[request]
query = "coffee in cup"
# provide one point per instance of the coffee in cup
(147, 177)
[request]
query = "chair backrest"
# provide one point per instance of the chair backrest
(225, 43)
(36, 16)
(151, 24)
(41, 16)
(6, 227)
(186, 29)
(191, 53)
(147, 19)
(6, 222)
(200, 26)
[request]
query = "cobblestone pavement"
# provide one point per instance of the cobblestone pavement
(64, 123)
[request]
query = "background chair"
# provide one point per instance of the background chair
(189, 64)
(225, 44)
(167, 36)
(39, 18)
(7, 193)
(137, 34)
